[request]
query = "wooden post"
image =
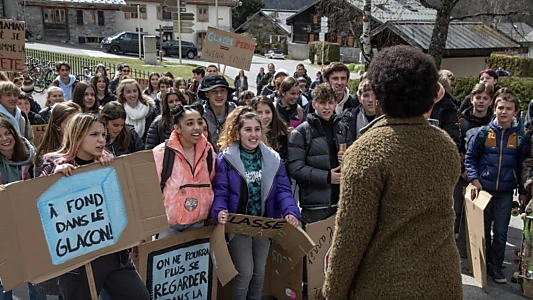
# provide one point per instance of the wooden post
(90, 279)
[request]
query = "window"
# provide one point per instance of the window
(162, 14)
(101, 19)
(200, 39)
(134, 15)
(51, 15)
(203, 14)
(90, 17)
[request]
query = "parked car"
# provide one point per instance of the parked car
(125, 42)
(172, 48)
(274, 53)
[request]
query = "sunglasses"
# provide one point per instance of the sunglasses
(125, 70)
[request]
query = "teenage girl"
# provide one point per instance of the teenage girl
(16, 155)
(83, 143)
(121, 138)
(140, 110)
(103, 95)
(84, 95)
(246, 163)
(161, 127)
(276, 129)
(187, 193)
(54, 95)
(152, 90)
(287, 104)
(180, 83)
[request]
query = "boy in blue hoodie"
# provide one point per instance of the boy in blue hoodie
(66, 81)
(493, 163)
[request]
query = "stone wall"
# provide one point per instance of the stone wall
(298, 51)
(34, 20)
(87, 30)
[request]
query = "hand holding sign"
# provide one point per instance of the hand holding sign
(291, 220)
(65, 169)
(223, 217)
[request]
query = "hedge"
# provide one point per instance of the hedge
(332, 52)
(516, 65)
(521, 87)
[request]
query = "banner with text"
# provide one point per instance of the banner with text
(38, 132)
(231, 49)
(12, 45)
(317, 260)
(51, 225)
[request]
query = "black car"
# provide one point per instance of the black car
(124, 42)
(172, 48)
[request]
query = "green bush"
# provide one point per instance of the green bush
(332, 52)
(517, 66)
(521, 87)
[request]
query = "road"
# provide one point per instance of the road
(509, 291)
(257, 62)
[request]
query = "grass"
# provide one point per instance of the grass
(138, 67)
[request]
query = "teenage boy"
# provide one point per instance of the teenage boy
(164, 83)
(66, 81)
(212, 70)
(360, 116)
(314, 159)
(8, 108)
(301, 72)
(123, 70)
(487, 76)
(217, 107)
(198, 74)
(494, 163)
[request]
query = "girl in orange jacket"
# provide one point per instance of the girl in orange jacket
(186, 179)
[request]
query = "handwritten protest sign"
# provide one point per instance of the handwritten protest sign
(185, 265)
(38, 132)
(228, 48)
(294, 241)
(96, 211)
(317, 260)
(12, 45)
(80, 221)
(288, 286)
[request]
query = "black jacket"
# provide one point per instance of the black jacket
(45, 113)
(156, 135)
(107, 98)
(466, 124)
(307, 78)
(113, 84)
(136, 144)
(467, 103)
(446, 112)
(350, 103)
(36, 119)
(308, 160)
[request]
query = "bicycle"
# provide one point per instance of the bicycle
(87, 73)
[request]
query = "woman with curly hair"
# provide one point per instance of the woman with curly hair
(246, 163)
(397, 176)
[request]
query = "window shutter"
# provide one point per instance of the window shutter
(126, 15)
(79, 16)
(101, 20)
(81, 39)
(159, 12)
(144, 15)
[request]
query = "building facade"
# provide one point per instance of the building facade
(154, 16)
(75, 21)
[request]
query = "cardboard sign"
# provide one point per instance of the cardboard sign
(284, 287)
(54, 224)
(185, 265)
(317, 260)
(12, 45)
(475, 220)
(228, 48)
(38, 132)
(294, 241)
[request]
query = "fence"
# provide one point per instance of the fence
(77, 64)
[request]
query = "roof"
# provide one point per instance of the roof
(397, 10)
(301, 10)
(461, 35)
(517, 31)
(282, 16)
(86, 2)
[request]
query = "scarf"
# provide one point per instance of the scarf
(15, 120)
(137, 116)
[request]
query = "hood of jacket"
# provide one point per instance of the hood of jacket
(71, 78)
(270, 165)
(11, 171)
(467, 114)
(28, 159)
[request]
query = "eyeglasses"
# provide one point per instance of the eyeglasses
(125, 70)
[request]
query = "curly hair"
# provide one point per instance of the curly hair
(323, 93)
(234, 123)
(404, 80)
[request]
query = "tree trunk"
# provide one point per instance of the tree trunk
(365, 37)
(440, 31)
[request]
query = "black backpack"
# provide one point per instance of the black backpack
(168, 164)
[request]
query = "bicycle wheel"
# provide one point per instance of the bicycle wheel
(82, 77)
(39, 86)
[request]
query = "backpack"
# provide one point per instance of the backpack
(485, 140)
(168, 164)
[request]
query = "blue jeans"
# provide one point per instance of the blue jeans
(498, 215)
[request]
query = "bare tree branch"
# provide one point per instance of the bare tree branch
(429, 5)
(487, 14)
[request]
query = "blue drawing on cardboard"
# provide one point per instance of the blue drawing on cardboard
(82, 213)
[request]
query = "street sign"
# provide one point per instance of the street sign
(184, 24)
(322, 36)
(174, 9)
(129, 9)
(175, 2)
(184, 29)
(324, 20)
(184, 16)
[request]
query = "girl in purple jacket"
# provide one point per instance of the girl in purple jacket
(250, 179)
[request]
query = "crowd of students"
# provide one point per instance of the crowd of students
(221, 150)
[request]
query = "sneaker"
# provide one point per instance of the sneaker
(498, 276)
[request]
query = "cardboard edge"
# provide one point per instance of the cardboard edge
(222, 262)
